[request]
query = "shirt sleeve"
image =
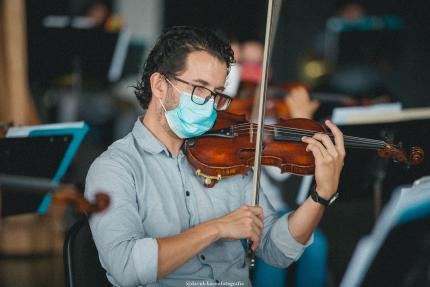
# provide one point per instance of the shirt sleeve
(129, 257)
(277, 247)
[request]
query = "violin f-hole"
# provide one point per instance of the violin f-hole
(248, 152)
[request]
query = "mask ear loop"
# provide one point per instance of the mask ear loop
(164, 108)
(173, 87)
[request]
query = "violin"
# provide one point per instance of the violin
(4, 127)
(228, 148)
(67, 194)
(276, 105)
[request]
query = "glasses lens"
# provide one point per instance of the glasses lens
(201, 92)
(197, 99)
(200, 95)
(222, 102)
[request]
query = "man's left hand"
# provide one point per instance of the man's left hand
(329, 159)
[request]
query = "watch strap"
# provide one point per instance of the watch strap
(326, 202)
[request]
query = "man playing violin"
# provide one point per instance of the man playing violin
(164, 228)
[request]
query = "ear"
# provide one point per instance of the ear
(158, 85)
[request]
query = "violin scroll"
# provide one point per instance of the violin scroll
(414, 157)
(69, 195)
(4, 126)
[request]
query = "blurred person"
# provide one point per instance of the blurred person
(245, 77)
(354, 74)
(233, 77)
(352, 11)
(251, 61)
(300, 105)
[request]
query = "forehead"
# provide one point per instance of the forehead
(200, 65)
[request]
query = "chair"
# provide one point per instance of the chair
(81, 260)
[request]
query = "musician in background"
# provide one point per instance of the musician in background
(244, 79)
(357, 73)
(164, 228)
(249, 54)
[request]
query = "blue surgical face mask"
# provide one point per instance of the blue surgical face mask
(189, 119)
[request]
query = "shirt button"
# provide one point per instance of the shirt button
(187, 193)
(202, 257)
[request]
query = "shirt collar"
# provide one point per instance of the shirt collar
(147, 140)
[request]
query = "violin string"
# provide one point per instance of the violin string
(311, 133)
(350, 144)
(346, 139)
(304, 132)
(347, 143)
(282, 128)
(299, 136)
(297, 132)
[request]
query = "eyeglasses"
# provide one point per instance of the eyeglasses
(201, 95)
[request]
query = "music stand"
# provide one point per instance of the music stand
(27, 191)
(43, 151)
(71, 46)
(366, 40)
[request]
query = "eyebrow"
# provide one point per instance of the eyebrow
(205, 84)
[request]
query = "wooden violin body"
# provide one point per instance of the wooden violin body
(4, 128)
(229, 148)
(276, 104)
(274, 107)
(245, 101)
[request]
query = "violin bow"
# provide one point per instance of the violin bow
(261, 111)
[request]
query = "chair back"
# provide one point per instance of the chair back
(81, 260)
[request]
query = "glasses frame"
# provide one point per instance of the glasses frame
(213, 95)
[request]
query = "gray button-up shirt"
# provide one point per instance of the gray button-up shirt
(153, 195)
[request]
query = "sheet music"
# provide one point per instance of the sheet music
(343, 115)
(375, 115)
(25, 131)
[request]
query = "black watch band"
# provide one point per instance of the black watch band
(315, 197)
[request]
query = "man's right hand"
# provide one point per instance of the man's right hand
(244, 222)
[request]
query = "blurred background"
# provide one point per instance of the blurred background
(78, 60)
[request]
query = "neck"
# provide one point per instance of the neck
(155, 121)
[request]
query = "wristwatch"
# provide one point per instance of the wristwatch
(315, 197)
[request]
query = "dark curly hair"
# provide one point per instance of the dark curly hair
(169, 55)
